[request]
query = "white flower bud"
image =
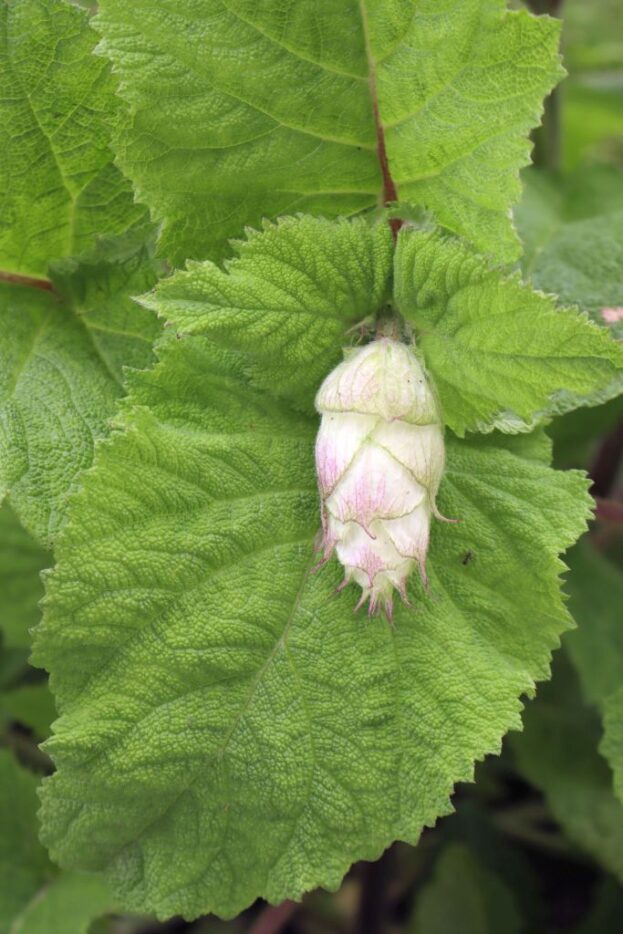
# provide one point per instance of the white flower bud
(379, 459)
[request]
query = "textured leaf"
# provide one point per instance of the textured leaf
(287, 300)
(60, 375)
(69, 904)
(100, 287)
(572, 232)
(57, 111)
(558, 752)
(464, 898)
(230, 728)
(212, 147)
(501, 354)
(24, 865)
(21, 561)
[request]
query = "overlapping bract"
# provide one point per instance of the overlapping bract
(379, 458)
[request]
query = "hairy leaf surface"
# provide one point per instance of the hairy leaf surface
(230, 729)
(501, 354)
(241, 110)
(290, 300)
(58, 107)
(61, 374)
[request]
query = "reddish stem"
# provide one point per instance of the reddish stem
(14, 278)
(390, 192)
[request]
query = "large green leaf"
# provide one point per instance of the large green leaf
(24, 865)
(242, 110)
(464, 898)
(21, 561)
(60, 374)
(558, 752)
(57, 111)
(229, 728)
(501, 354)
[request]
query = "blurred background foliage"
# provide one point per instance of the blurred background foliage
(536, 843)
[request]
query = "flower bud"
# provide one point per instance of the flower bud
(379, 460)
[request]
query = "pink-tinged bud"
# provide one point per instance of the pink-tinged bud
(379, 459)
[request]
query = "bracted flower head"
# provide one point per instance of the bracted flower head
(379, 459)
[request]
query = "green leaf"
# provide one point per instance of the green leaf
(464, 898)
(31, 705)
(229, 727)
(69, 904)
(24, 865)
(572, 230)
(287, 300)
(502, 356)
(57, 112)
(242, 110)
(557, 752)
(61, 374)
(21, 561)
(100, 287)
